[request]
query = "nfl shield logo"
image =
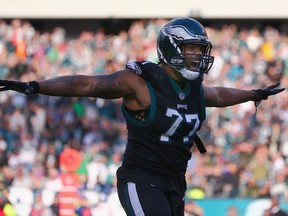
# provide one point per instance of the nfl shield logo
(181, 96)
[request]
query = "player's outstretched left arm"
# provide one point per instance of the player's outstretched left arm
(223, 97)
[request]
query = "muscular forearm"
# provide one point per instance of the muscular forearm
(69, 86)
(222, 97)
(233, 96)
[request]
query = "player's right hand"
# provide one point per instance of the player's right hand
(22, 87)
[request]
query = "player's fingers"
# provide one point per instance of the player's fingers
(4, 88)
(3, 82)
(276, 91)
(274, 86)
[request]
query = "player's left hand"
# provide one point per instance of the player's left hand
(264, 93)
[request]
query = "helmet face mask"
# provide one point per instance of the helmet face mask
(173, 36)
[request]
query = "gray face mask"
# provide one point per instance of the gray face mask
(192, 65)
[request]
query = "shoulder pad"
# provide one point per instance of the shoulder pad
(145, 69)
(134, 66)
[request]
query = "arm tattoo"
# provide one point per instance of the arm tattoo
(61, 86)
(105, 86)
(70, 86)
(62, 90)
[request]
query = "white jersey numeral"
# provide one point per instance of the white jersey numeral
(189, 119)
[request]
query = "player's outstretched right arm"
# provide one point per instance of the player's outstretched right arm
(110, 86)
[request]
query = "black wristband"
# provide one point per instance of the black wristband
(256, 95)
(32, 88)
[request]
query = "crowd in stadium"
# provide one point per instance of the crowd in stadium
(247, 149)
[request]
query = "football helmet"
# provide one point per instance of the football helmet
(181, 31)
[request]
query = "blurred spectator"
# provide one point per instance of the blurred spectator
(193, 209)
(3, 152)
(232, 211)
(83, 208)
(279, 188)
(38, 118)
(8, 209)
(38, 208)
(97, 172)
(275, 70)
(22, 178)
(275, 209)
(55, 206)
(2, 204)
(53, 183)
(17, 121)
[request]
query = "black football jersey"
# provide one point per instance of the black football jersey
(161, 142)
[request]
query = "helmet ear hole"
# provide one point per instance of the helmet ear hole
(165, 49)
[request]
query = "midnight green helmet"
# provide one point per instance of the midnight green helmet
(181, 31)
